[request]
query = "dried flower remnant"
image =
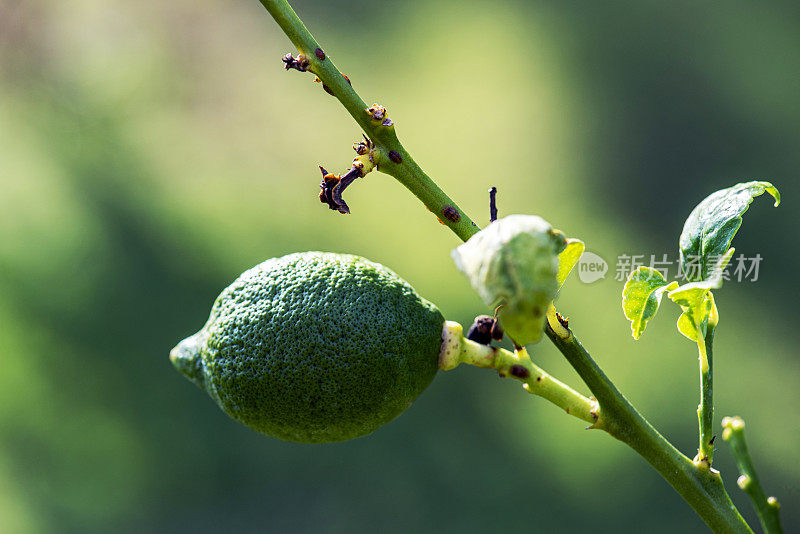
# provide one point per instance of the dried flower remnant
(484, 329)
(300, 62)
(377, 112)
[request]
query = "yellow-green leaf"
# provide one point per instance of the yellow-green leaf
(641, 297)
(568, 259)
(697, 301)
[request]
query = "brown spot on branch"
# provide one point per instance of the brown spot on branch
(519, 371)
(451, 214)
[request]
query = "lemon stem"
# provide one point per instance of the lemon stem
(456, 349)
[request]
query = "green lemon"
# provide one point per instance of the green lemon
(315, 347)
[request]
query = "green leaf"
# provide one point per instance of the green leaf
(641, 297)
(513, 263)
(697, 302)
(568, 259)
(711, 226)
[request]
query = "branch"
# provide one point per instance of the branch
(390, 157)
(701, 488)
(766, 507)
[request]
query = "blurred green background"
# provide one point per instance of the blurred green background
(151, 151)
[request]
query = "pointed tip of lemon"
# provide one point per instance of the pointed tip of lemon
(186, 358)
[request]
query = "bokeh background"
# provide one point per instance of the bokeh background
(151, 151)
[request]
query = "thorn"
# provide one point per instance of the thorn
(492, 204)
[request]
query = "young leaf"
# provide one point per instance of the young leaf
(642, 296)
(513, 262)
(710, 228)
(568, 259)
(698, 308)
(697, 301)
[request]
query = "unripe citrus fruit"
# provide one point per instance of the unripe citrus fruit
(315, 347)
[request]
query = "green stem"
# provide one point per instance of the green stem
(705, 410)
(391, 157)
(767, 507)
(457, 350)
(700, 486)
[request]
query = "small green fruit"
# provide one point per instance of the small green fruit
(315, 347)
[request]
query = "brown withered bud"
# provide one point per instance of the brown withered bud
(484, 329)
(332, 187)
(329, 181)
(497, 330)
(362, 148)
(298, 63)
